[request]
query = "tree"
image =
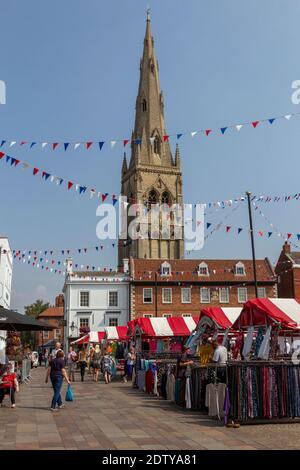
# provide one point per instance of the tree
(33, 311)
(36, 308)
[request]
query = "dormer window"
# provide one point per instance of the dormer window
(240, 269)
(203, 269)
(144, 105)
(165, 269)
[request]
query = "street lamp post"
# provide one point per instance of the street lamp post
(248, 194)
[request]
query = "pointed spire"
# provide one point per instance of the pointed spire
(149, 116)
(124, 165)
(177, 157)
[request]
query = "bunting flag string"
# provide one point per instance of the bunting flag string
(62, 251)
(79, 188)
(88, 144)
(59, 267)
(285, 237)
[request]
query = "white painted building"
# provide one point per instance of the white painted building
(94, 300)
(6, 267)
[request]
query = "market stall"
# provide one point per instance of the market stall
(265, 385)
(115, 342)
(91, 337)
(159, 342)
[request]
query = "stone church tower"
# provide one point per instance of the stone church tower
(152, 176)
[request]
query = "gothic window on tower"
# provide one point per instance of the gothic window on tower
(144, 105)
(165, 198)
(156, 145)
(152, 199)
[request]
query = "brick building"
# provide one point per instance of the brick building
(183, 287)
(288, 272)
(53, 316)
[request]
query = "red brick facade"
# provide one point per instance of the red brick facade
(221, 274)
(54, 317)
(288, 272)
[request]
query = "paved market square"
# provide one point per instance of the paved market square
(117, 416)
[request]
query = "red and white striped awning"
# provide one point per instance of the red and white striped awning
(259, 312)
(116, 333)
(222, 317)
(110, 332)
(162, 327)
(91, 337)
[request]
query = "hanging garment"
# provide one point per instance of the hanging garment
(248, 342)
(160, 346)
(188, 403)
(214, 399)
(264, 349)
(259, 340)
(225, 338)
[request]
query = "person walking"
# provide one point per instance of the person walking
(55, 351)
(57, 373)
(108, 363)
(46, 358)
(129, 364)
(90, 358)
(82, 360)
(9, 385)
(71, 363)
(40, 358)
(96, 362)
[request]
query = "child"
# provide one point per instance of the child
(9, 385)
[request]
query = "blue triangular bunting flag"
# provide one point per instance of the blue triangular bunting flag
(271, 120)
(66, 145)
(269, 234)
(239, 230)
(82, 189)
(223, 130)
(32, 144)
(2, 143)
(7, 158)
(208, 225)
(100, 145)
(298, 236)
(138, 141)
(178, 136)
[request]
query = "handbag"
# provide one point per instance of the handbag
(69, 393)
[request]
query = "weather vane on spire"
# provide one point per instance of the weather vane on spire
(148, 12)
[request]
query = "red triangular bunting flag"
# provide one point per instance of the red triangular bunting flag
(70, 184)
(166, 138)
(289, 235)
(16, 162)
(208, 131)
(88, 144)
(228, 228)
(23, 142)
(35, 171)
(125, 142)
(1, 155)
(255, 123)
(54, 145)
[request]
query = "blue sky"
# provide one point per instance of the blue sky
(71, 70)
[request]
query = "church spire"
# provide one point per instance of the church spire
(149, 116)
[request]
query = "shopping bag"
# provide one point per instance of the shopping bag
(69, 394)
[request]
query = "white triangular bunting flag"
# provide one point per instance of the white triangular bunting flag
(239, 127)
(44, 144)
(25, 166)
(288, 116)
(12, 143)
(76, 187)
(113, 143)
(76, 146)
(92, 194)
(52, 178)
(193, 133)
(152, 139)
